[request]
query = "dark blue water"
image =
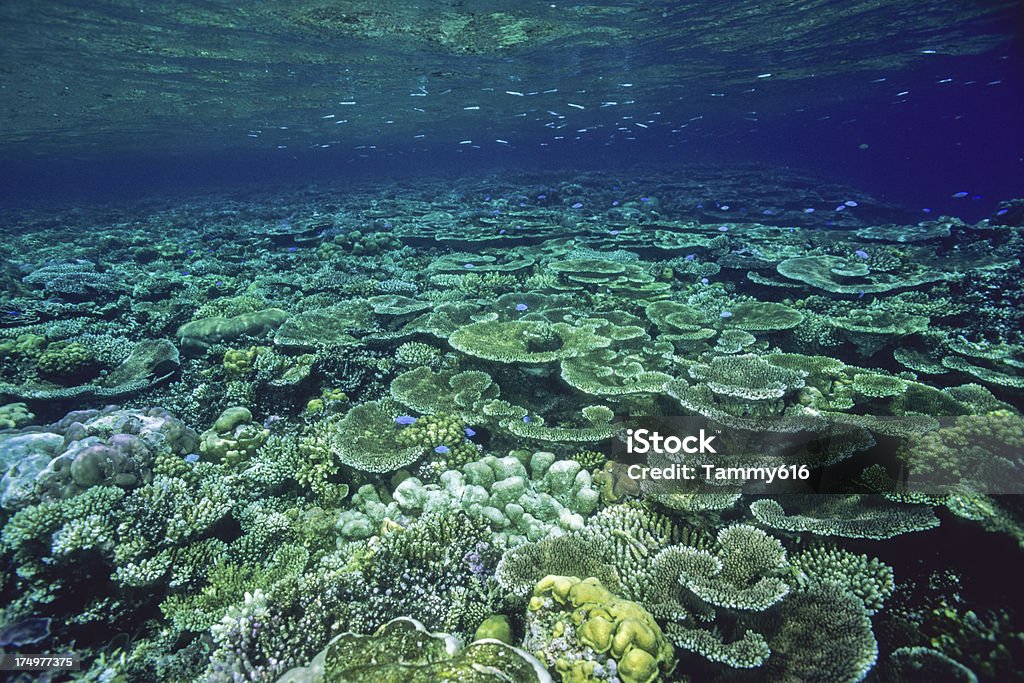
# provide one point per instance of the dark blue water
(915, 113)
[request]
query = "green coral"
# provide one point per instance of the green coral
(234, 438)
(67, 363)
(25, 344)
(525, 341)
(745, 391)
(679, 321)
(870, 579)
(852, 516)
(441, 562)
(200, 335)
(872, 328)
(609, 372)
(822, 635)
(240, 362)
(763, 316)
(441, 436)
(968, 451)
(833, 274)
(875, 385)
(740, 574)
(366, 438)
(14, 415)
(415, 354)
(403, 651)
(461, 393)
(567, 615)
(328, 326)
(499, 492)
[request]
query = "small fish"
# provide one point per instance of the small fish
(441, 449)
(192, 458)
(521, 307)
(526, 419)
(808, 210)
(723, 228)
(725, 314)
(405, 420)
(690, 257)
(470, 432)
(862, 254)
(960, 195)
(850, 202)
(577, 205)
(468, 265)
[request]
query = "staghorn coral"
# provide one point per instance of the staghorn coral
(867, 578)
(823, 634)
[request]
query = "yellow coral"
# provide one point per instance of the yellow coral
(588, 591)
(620, 629)
(240, 362)
(597, 633)
(638, 666)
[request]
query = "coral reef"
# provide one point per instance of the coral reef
(384, 433)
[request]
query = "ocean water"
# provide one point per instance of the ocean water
(489, 341)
